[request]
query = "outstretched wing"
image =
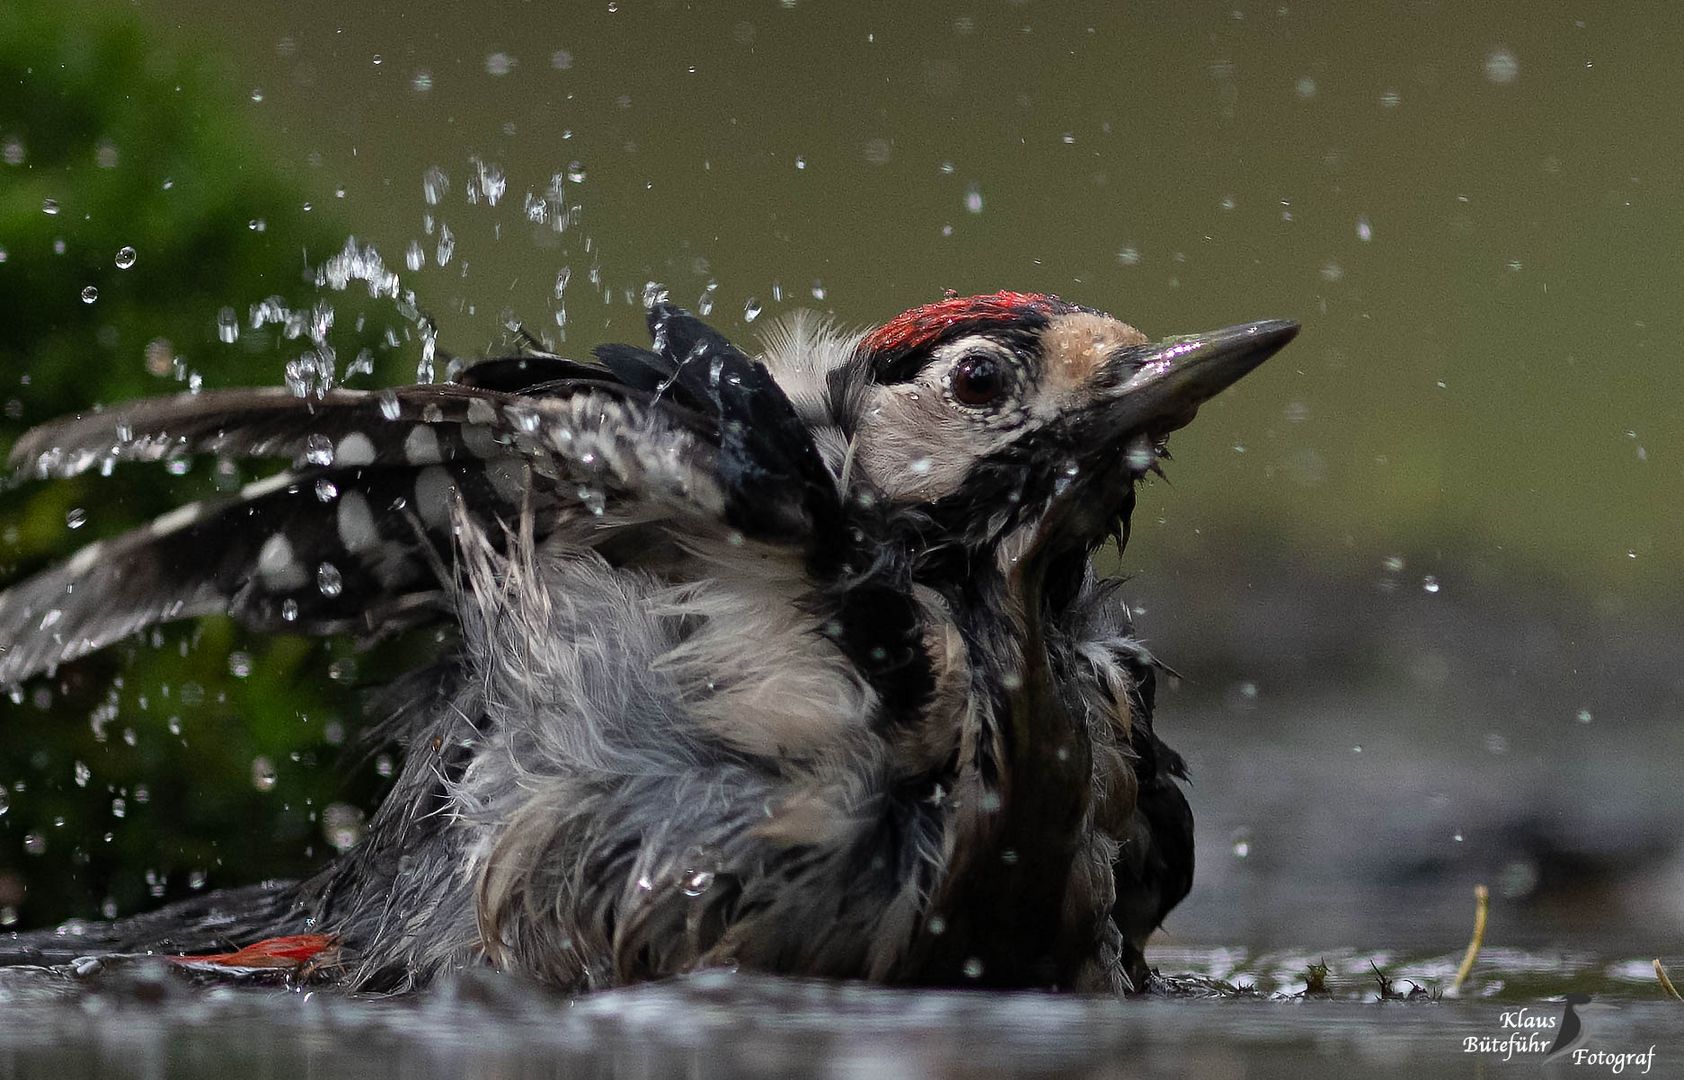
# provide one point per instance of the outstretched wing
(349, 537)
(773, 475)
(776, 484)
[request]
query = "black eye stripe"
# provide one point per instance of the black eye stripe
(1019, 340)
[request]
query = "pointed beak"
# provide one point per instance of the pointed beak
(1158, 387)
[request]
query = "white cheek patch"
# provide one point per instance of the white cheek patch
(916, 446)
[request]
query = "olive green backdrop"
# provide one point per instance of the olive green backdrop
(1400, 565)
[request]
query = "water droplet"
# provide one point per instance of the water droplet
(119, 807)
(489, 181)
(434, 185)
(34, 843)
(973, 199)
(751, 310)
(227, 326)
(390, 407)
(5, 802)
(125, 257)
(1306, 87)
(8, 915)
(1394, 564)
(326, 490)
(1501, 67)
(81, 773)
(1365, 231)
(499, 64)
(1128, 257)
(49, 207)
(257, 96)
(318, 450)
(1240, 843)
(329, 581)
(89, 294)
(446, 249)
(289, 610)
(1583, 716)
(239, 664)
(342, 826)
(576, 172)
(263, 774)
(1391, 99)
(1429, 584)
(384, 766)
(75, 518)
(1457, 836)
(973, 967)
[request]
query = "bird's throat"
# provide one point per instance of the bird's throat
(1001, 910)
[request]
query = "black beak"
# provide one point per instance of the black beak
(1158, 387)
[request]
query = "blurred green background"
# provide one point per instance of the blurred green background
(1399, 565)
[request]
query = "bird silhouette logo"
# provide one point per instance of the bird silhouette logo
(1572, 1032)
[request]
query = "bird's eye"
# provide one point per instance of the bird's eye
(978, 380)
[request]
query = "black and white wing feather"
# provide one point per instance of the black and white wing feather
(349, 536)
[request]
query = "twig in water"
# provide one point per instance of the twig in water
(1666, 983)
(1482, 904)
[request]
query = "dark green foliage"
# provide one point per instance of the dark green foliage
(115, 130)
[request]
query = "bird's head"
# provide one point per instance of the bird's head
(1011, 409)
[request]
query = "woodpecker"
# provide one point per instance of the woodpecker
(798, 663)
